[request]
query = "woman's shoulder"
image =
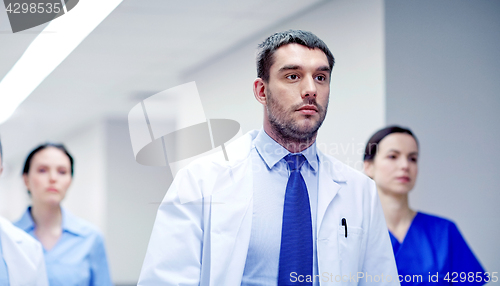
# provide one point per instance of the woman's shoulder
(437, 223)
(434, 218)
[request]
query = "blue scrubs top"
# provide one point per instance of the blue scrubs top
(4, 275)
(435, 253)
(78, 258)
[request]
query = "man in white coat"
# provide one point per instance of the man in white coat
(21, 256)
(279, 212)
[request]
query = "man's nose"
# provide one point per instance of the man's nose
(308, 87)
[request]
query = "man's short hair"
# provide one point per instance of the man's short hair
(267, 49)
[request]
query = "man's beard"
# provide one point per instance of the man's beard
(287, 129)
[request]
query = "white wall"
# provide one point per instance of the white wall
(134, 195)
(87, 196)
(443, 66)
(13, 195)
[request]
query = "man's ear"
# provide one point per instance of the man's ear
(259, 90)
(368, 168)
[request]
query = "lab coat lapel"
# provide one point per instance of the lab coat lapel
(231, 221)
(330, 182)
(328, 185)
(19, 265)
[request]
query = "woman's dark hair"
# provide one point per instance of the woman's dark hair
(372, 145)
(61, 147)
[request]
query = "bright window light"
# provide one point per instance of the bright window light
(48, 50)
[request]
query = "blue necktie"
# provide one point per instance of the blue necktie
(296, 252)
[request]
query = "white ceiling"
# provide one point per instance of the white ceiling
(141, 48)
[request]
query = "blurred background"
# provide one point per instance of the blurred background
(431, 65)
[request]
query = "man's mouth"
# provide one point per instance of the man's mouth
(308, 110)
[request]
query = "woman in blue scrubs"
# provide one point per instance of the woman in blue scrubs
(73, 248)
(429, 250)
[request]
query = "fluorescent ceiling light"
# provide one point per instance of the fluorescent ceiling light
(48, 50)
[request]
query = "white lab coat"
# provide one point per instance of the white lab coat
(202, 229)
(23, 256)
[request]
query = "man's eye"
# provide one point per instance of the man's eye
(292, 77)
(321, 78)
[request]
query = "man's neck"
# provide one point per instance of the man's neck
(293, 146)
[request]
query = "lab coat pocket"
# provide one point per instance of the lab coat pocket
(349, 249)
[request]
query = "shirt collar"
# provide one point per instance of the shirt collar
(272, 152)
(69, 223)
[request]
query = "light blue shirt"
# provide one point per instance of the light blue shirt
(4, 274)
(271, 174)
(78, 258)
